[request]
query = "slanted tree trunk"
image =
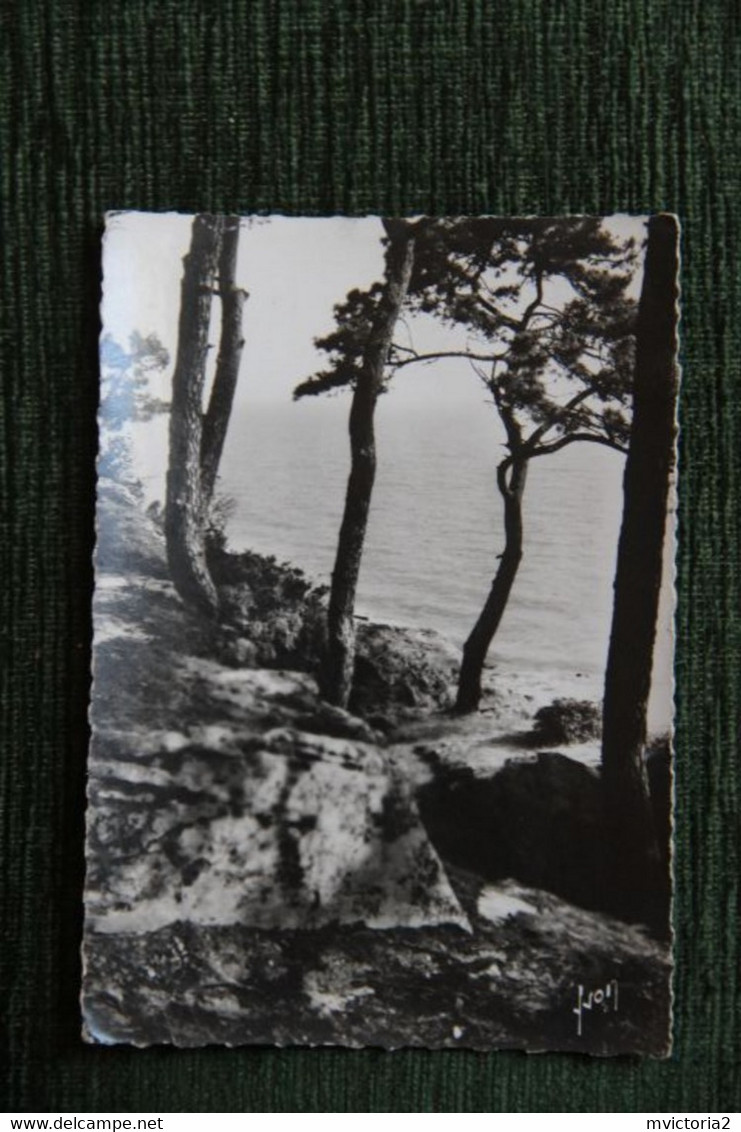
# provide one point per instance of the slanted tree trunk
(635, 872)
(511, 478)
(216, 420)
(337, 669)
(184, 527)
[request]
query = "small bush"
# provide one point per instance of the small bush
(273, 604)
(568, 721)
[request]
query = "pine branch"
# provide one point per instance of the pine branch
(434, 356)
(574, 438)
(323, 382)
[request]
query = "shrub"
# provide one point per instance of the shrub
(273, 604)
(568, 721)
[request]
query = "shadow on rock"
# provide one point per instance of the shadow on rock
(538, 820)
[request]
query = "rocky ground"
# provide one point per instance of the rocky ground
(513, 981)
(265, 868)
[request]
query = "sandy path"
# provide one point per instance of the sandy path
(498, 732)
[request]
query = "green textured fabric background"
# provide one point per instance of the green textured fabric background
(353, 106)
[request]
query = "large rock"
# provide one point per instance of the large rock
(399, 671)
(284, 831)
(222, 795)
(539, 820)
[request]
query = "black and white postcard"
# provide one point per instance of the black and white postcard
(382, 701)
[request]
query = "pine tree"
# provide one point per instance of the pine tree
(636, 870)
(360, 349)
(549, 322)
(231, 343)
(185, 505)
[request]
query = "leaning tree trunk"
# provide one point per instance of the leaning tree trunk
(476, 647)
(184, 526)
(216, 420)
(339, 660)
(636, 872)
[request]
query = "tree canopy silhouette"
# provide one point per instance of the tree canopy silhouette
(549, 324)
(541, 309)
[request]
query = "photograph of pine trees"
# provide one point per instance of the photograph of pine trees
(382, 697)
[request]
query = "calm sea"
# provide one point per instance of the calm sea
(436, 521)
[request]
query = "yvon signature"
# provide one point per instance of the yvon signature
(604, 998)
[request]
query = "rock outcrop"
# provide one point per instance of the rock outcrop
(400, 671)
(539, 819)
(224, 795)
(216, 825)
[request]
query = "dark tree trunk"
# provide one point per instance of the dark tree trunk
(184, 504)
(636, 871)
(337, 669)
(216, 420)
(511, 478)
